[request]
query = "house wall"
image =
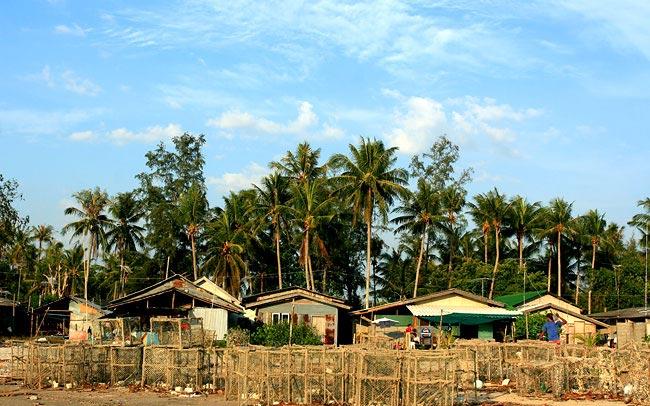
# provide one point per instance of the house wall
(82, 317)
(215, 321)
(455, 301)
(322, 317)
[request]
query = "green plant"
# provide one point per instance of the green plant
(277, 335)
(588, 340)
(535, 323)
(237, 336)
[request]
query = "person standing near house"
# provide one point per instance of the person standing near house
(551, 329)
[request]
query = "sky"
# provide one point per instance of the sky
(545, 98)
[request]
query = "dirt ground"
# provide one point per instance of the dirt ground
(13, 395)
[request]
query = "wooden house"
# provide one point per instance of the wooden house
(70, 316)
(541, 302)
(178, 297)
(327, 314)
(463, 313)
(630, 324)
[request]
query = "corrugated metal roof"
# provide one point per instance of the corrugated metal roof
(432, 310)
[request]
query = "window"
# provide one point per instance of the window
(280, 318)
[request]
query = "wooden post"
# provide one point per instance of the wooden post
(144, 365)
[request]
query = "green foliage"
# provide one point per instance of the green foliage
(535, 323)
(237, 336)
(277, 335)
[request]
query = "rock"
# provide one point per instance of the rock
(68, 386)
(55, 384)
(189, 389)
(178, 389)
(628, 389)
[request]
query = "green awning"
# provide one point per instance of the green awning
(466, 319)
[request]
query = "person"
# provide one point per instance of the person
(551, 329)
(410, 332)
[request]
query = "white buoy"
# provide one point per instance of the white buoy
(189, 389)
(478, 384)
(505, 382)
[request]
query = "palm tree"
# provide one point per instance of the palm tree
(124, 234)
(73, 263)
(21, 255)
(301, 167)
(479, 212)
(523, 219)
(393, 273)
(641, 222)
(592, 225)
(497, 208)
(370, 180)
(225, 239)
(418, 214)
(452, 201)
(91, 225)
(192, 206)
(310, 207)
(270, 206)
(42, 234)
(560, 222)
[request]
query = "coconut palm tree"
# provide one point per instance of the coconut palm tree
(418, 213)
(478, 209)
(523, 218)
(21, 255)
(226, 248)
(124, 234)
(310, 207)
(559, 219)
(91, 224)
(641, 221)
(497, 207)
(452, 201)
(591, 226)
(302, 166)
(269, 209)
(73, 263)
(42, 234)
(192, 207)
(370, 181)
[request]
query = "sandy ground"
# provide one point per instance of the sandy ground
(123, 396)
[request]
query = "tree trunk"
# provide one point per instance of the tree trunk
(559, 262)
(122, 274)
(311, 274)
(451, 254)
(485, 247)
(196, 275)
(520, 247)
(368, 247)
(20, 277)
(417, 269)
(277, 256)
(548, 276)
(496, 262)
(305, 258)
(593, 257)
(578, 278)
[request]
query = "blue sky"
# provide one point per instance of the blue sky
(545, 99)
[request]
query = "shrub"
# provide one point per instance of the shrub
(237, 336)
(277, 335)
(535, 323)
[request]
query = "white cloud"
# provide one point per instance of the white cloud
(420, 120)
(82, 136)
(235, 181)
(152, 134)
(423, 120)
(79, 85)
(74, 29)
(305, 121)
(44, 76)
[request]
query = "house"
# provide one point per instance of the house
(179, 297)
(13, 318)
(542, 302)
(467, 315)
(327, 314)
(630, 324)
(70, 316)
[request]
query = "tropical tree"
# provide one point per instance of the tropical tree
(370, 180)
(310, 207)
(523, 219)
(592, 226)
(269, 208)
(124, 233)
(452, 201)
(302, 166)
(91, 224)
(497, 207)
(192, 208)
(558, 217)
(42, 234)
(226, 241)
(641, 221)
(417, 215)
(478, 209)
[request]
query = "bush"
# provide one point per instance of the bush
(277, 335)
(535, 323)
(237, 337)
